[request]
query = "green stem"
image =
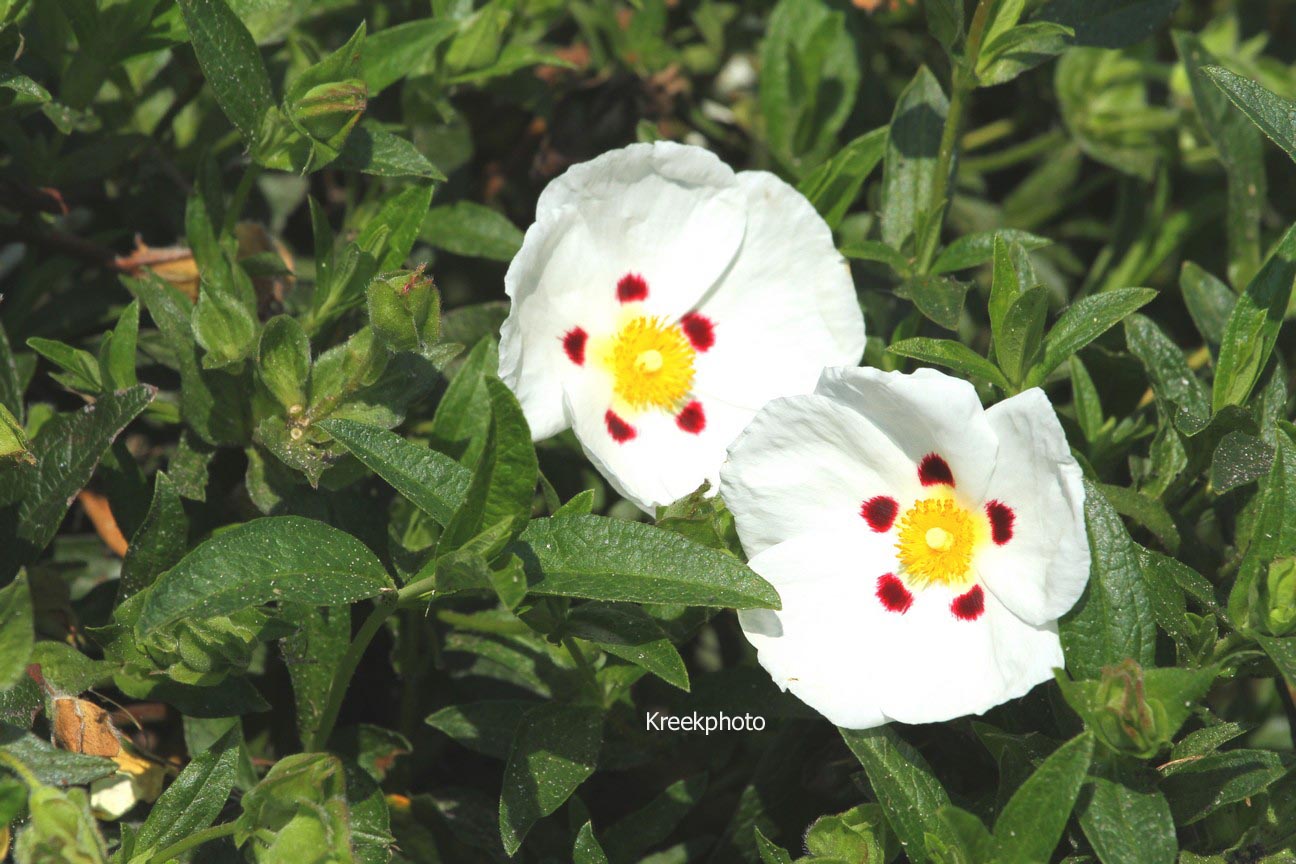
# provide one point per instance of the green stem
(586, 670)
(963, 81)
(175, 850)
(384, 605)
(14, 764)
(239, 200)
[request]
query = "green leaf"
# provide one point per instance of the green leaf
(474, 230)
(487, 727)
(1031, 824)
(1113, 619)
(1083, 322)
(953, 355)
(402, 215)
(631, 634)
(432, 481)
(1168, 371)
(770, 852)
(940, 298)
(406, 50)
(876, 250)
(973, 250)
(117, 356)
(1239, 459)
(194, 800)
(587, 849)
(283, 558)
(1108, 23)
(1272, 114)
(608, 559)
(809, 77)
(462, 417)
(311, 655)
(284, 360)
(1283, 654)
(231, 64)
(1209, 301)
(159, 543)
(945, 21)
(1252, 328)
(909, 170)
(904, 785)
(1018, 341)
(373, 150)
(225, 317)
(555, 750)
(833, 187)
(67, 449)
(80, 368)
(1239, 148)
(1198, 787)
(505, 477)
(1008, 55)
(17, 635)
(1127, 825)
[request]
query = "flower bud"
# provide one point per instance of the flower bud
(1280, 611)
(404, 310)
(327, 112)
(1127, 720)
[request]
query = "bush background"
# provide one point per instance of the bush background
(241, 238)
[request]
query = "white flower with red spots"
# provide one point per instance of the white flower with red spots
(923, 546)
(659, 301)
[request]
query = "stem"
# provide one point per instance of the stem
(240, 197)
(385, 605)
(963, 81)
(583, 664)
(175, 850)
(14, 764)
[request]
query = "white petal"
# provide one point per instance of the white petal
(786, 308)
(924, 412)
(547, 281)
(672, 213)
(808, 463)
(836, 647)
(943, 667)
(1041, 572)
(661, 463)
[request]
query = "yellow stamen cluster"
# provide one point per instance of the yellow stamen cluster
(936, 540)
(651, 361)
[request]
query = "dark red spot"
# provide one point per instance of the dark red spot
(620, 430)
(692, 419)
(880, 512)
(934, 471)
(632, 288)
(969, 606)
(1001, 521)
(699, 330)
(574, 345)
(893, 594)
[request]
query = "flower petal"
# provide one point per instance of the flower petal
(786, 308)
(841, 650)
(1041, 571)
(547, 281)
(670, 214)
(926, 414)
(667, 456)
(807, 463)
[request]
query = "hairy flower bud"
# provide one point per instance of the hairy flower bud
(1128, 720)
(327, 112)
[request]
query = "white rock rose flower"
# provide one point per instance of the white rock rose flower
(923, 546)
(659, 300)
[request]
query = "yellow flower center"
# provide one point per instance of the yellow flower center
(651, 361)
(936, 540)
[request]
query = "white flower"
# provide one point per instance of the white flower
(923, 546)
(659, 301)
